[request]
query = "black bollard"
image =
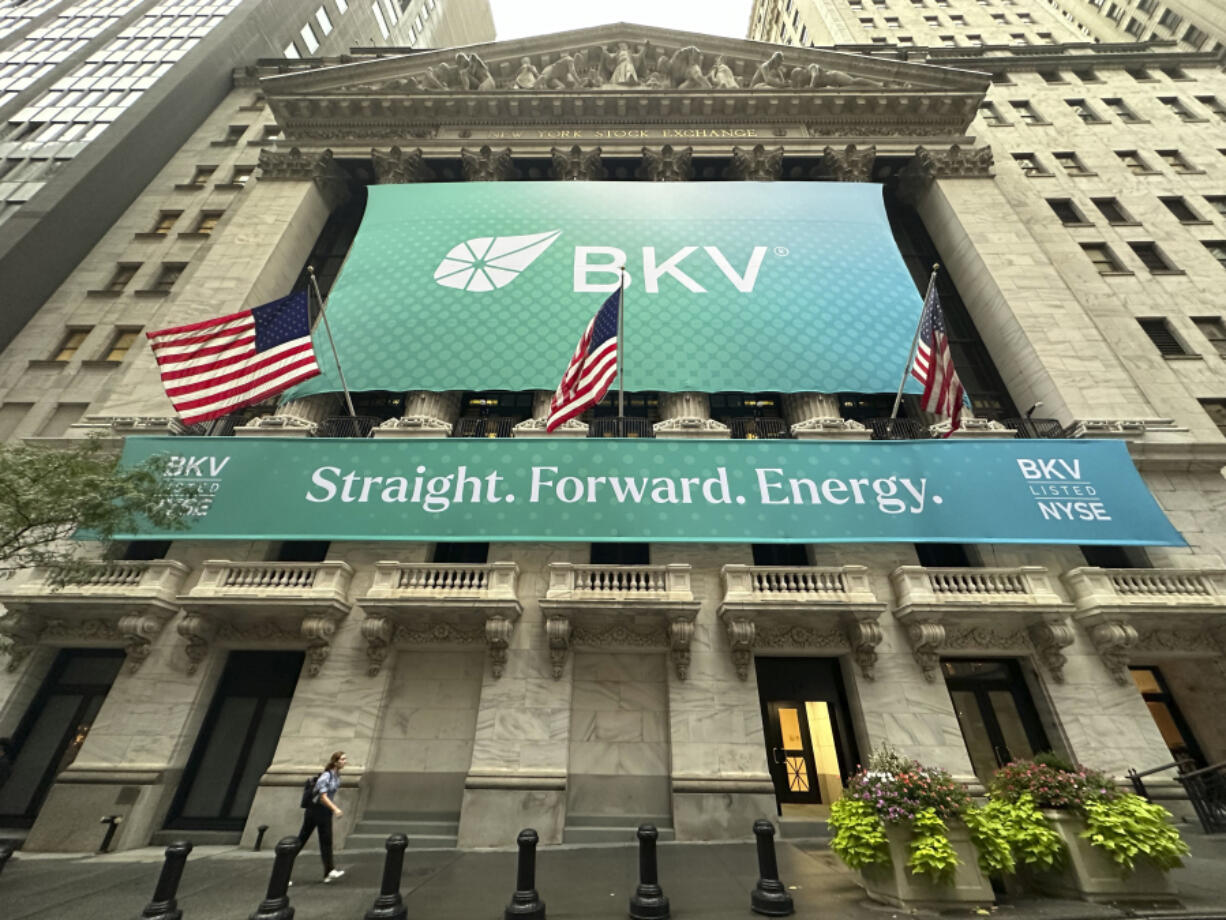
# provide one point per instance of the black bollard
(770, 896)
(163, 906)
(6, 850)
(648, 901)
(275, 905)
(526, 904)
(112, 823)
(259, 837)
(389, 905)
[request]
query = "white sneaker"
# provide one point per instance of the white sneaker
(333, 875)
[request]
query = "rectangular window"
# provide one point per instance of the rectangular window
(207, 222)
(1216, 410)
(234, 134)
(309, 40)
(1085, 75)
(1178, 109)
(1152, 258)
(891, 22)
(1174, 73)
(325, 24)
(1051, 76)
(290, 52)
(202, 175)
(1134, 163)
(1176, 160)
(124, 272)
(1103, 259)
(1181, 209)
(1169, 20)
(1066, 211)
(383, 30)
(1140, 74)
(341, 6)
(241, 175)
(1195, 37)
(1121, 110)
(1217, 249)
(1070, 163)
(1213, 329)
(991, 114)
(934, 22)
(165, 220)
(958, 20)
(1084, 111)
(121, 344)
(1163, 337)
(71, 344)
(168, 276)
(1218, 203)
(1026, 112)
(974, 39)
(1030, 164)
(271, 134)
(1017, 38)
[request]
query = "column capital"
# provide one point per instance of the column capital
(851, 164)
(953, 162)
(757, 164)
(578, 164)
(398, 167)
(667, 164)
(487, 164)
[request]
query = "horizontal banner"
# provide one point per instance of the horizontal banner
(460, 489)
(731, 287)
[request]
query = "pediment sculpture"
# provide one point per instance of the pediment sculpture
(620, 67)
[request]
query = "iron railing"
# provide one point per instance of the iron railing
(750, 429)
(620, 428)
(896, 429)
(494, 426)
(347, 426)
(1205, 788)
(1035, 427)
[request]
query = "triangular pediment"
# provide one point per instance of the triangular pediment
(622, 57)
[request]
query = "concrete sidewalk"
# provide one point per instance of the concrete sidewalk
(709, 881)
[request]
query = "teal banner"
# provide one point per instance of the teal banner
(731, 286)
(461, 489)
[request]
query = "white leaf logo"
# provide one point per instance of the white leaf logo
(491, 262)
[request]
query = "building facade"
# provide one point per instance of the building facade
(581, 686)
(95, 98)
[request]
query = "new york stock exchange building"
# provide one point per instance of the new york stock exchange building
(707, 609)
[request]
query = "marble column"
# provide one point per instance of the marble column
(535, 426)
(688, 415)
(817, 415)
(427, 414)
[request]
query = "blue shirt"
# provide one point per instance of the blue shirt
(329, 781)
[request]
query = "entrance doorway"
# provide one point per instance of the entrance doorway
(998, 718)
(810, 749)
(55, 727)
(237, 741)
(1170, 721)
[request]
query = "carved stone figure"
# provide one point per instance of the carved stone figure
(770, 74)
(472, 73)
(658, 78)
(685, 68)
(587, 71)
(820, 76)
(559, 75)
(431, 80)
(528, 74)
(721, 75)
(624, 65)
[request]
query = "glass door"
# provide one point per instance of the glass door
(54, 728)
(998, 718)
(791, 754)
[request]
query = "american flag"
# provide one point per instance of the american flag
(211, 368)
(934, 366)
(592, 367)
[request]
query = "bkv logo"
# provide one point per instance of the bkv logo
(491, 262)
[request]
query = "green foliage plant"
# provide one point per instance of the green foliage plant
(931, 852)
(1127, 826)
(859, 836)
(1007, 833)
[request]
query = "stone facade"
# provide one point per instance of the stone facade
(478, 698)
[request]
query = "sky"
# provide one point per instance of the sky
(520, 18)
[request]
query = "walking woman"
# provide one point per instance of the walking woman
(322, 809)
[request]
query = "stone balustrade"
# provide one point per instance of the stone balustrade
(769, 583)
(1094, 587)
(919, 585)
(441, 580)
(327, 581)
(159, 578)
(632, 582)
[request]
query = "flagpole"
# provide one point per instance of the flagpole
(621, 349)
(906, 371)
(328, 329)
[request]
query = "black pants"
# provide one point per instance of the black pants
(319, 816)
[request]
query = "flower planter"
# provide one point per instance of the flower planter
(1090, 873)
(894, 884)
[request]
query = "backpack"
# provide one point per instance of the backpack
(308, 792)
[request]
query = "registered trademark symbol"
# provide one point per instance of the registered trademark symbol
(781, 250)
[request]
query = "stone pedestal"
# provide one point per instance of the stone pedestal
(535, 426)
(688, 415)
(894, 883)
(1091, 874)
(817, 416)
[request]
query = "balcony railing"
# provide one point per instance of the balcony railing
(1095, 587)
(327, 581)
(489, 427)
(1035, 427)
(159, 578)
(1029, 585)
(620, 428)
(444, 580)
(768, 583)
(347, 426)
(618, 581)
(750, 429)
(896, 429)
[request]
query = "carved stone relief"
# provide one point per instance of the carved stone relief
(757, 164)
(397, 167)
(1114, 640)
(667, 164)
(1050, 640)
(577, 164)
(849, 164)
(487, 165)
